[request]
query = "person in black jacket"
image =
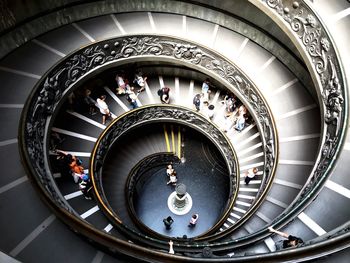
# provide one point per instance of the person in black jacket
(167, 222)
(197, 100)
(291, 241)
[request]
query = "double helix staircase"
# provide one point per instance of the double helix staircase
(32, 233)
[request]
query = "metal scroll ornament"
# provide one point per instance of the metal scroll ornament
(165, 113)
(56, 83)
(161, 113)
(318, 46)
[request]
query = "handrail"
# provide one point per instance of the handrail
(152, 114)
(159, 160)
(90, 60)
(334, 122)
(314, 42)
(37, 112)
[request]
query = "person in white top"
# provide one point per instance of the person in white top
(102, 105)
(193, 220)
(131, 96)
(250, 174)
(208, 110)
(122, 86)
(205, 90)
(169, 170)
(140, 81)
(172, 178)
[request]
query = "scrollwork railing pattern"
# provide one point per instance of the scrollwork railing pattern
(152, 114)
(307, 28)
(159, 113)
(137, 176)
(56, 83)
(317, 45)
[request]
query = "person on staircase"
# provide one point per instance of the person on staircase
(164, 95)
(250, 175)
(208, 110)
(75, 164)
(85, 186)
(205, 90)
(168, 222)
(132, 97)
(197, 101)
(290, 242)
(140, 81)
(193, 220)
(122, 84)
(102, 105)
(171, 247)
(89, 102)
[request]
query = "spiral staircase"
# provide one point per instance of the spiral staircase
(291, 51)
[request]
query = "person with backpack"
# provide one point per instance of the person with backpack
(163, 94)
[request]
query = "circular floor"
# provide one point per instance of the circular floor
(206, 180)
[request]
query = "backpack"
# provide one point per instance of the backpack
(160, 92)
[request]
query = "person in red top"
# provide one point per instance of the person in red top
(75, 165)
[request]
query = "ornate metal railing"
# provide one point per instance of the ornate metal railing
(136, 180)
(314, 43)
(153, 114)
(54, 86)
(310, 36)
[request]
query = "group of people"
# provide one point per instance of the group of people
(123, 88)
(131, 91)
(201, 101)
(98, 104)
(236, 115)
(289, 241)
(140, 83)
(84, 100)
(71, 165)
(172, 179)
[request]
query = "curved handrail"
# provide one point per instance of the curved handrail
(89, 60)
(314, 42)
(160, 113)
(159, 160)
(330, 147)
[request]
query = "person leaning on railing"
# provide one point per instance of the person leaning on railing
(292, 241)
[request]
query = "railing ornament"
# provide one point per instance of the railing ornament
(66, 74)
(315, 42)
